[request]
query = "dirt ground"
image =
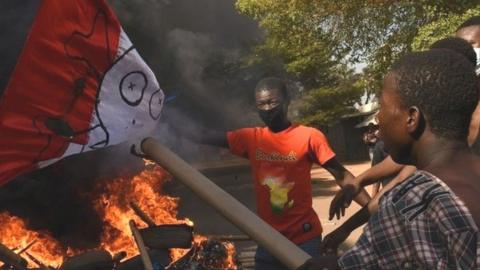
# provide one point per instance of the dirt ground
(234, 177)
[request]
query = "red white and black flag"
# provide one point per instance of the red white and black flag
(78, 85)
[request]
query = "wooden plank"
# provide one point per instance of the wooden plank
(168, 236)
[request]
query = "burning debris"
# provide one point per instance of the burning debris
(124, 203)
(207, 255)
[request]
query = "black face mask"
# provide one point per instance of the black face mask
(273, 118)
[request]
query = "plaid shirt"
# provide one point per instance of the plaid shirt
(420, 224)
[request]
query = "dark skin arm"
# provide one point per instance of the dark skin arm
(331, 242)
(375, 188)
(342, 177)
(351, 188)
(401, 176)
(384, 169)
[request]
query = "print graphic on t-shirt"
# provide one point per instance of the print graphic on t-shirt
(274, 177)
(274, 156)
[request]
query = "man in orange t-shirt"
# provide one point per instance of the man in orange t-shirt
(281, 155)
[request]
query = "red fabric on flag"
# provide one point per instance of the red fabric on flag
(52, 92)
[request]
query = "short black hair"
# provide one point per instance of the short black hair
(458, 45)
(472, 21)
(271, 83)
(443, 85)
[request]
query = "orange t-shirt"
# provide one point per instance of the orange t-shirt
(281, 164)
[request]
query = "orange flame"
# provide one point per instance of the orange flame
(112, 202)
(143, 189)
(15, 235)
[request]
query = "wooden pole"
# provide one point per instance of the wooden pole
(147, 263)
(142, 215)
(231, 238)
(11, 258)
(279, 246)
(27, 247)
(38, 262)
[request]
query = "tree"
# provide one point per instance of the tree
(295, 42)
(441, 28)
(313, 39)
(333, 101)
(293, 39)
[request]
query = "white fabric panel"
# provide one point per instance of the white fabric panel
(128, 106)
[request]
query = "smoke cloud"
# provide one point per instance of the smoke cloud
(197, 58)
(194, 48)
(15, 26)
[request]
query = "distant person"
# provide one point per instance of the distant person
(370, 138)
(430, 220)
(281, 155)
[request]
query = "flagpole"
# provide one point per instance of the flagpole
(234, 211)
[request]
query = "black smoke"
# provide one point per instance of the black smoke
(195, 48)
(15, 20)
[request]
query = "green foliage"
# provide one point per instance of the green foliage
(441, 28)
(313, 39)
(294, 39)
(324, 105)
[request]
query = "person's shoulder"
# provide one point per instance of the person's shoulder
(416, 185)
(245, 131)
(311, 134)
(423, 192)
(312, 131)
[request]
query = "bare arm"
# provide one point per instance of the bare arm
(375, 188)
(404, 174)
(331, 242)
(382, 170)
(352, 187)
(342, 177)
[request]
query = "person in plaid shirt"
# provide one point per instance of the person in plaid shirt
(429, 221)
(421, 224)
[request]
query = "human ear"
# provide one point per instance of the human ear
(415, 122)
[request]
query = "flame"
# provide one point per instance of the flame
(143, 189)
(177, 253)
(113, 203)
(231, 264)
(15, 235)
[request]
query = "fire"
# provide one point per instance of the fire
(113, 203)
(143, 189)
(15, 235)
(231, 264)
(208, 254)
